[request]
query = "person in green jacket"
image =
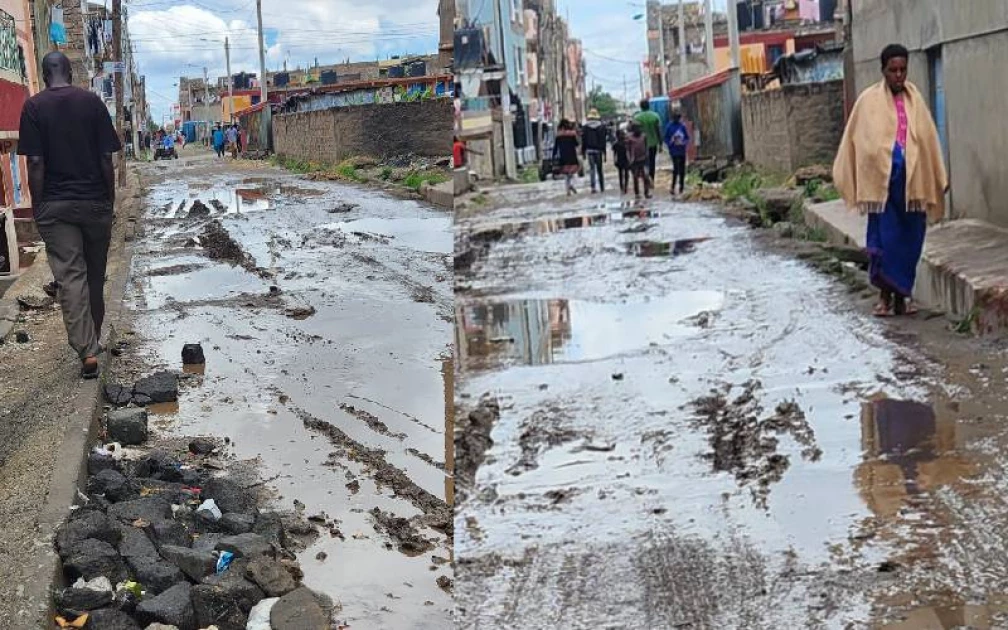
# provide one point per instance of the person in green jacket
(650, 124)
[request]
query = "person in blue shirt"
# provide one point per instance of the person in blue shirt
(677, 139)
(169, 141)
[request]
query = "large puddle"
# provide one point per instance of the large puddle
(339, 351)
(543, 331)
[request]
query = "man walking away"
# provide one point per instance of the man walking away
(68, 137)
(593, 147)
(677, 139)
(218, 141)
(650, 124)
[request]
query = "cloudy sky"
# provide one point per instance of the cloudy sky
(175, 38)
(614, 42)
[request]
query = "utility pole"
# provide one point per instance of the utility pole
(683, 71)
(510, 168)
(262, 56)
(662, 60)
(640, 77)
(119, 77)
(733, 34)
(709, 36)
(230, 78)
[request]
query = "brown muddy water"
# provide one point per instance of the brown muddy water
(325, 351)
(697, 432)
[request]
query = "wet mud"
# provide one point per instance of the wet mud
(746, 445)
(325, 372)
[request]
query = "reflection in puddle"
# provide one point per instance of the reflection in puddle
(539, 332)
(549, 226)
(658, 249)
(221, 201)
(958, 615)
(430, 234)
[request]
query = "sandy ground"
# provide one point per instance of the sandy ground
(699, 428)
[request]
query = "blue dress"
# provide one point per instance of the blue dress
(895, 238)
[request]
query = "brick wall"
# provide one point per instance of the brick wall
(795, 126)
(333, 135)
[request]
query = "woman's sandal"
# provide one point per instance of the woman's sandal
(883, 309)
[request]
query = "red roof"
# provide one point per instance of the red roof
(250, 110)
(701, 84)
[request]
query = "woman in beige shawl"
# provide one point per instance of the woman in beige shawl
(890, 166)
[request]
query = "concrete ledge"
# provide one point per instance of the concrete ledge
(441, 195)
(842, 226)
(963, 272)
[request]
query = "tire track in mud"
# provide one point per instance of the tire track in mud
(437, 514)
(655, 580)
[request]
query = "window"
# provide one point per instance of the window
(520, 67)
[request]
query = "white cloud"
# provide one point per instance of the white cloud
(180, 40)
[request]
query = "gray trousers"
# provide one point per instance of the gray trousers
(77, 236)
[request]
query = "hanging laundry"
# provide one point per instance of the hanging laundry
(108, 31)
(57, 29)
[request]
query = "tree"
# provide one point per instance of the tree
(603, 101)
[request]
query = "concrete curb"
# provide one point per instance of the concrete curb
(963, 271)
(82, 426)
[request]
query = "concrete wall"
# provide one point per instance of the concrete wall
(973, 39)
(795, 126)
(333, 135)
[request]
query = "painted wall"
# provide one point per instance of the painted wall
(973, 41)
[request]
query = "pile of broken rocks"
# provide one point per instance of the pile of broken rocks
(164, 542)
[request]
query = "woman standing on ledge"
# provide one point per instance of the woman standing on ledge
(890, 166)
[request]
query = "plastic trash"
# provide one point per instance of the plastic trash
(101, 584)
(79, 622)
(112, 449)
(210, 506)
(224, 561)
(259, 616)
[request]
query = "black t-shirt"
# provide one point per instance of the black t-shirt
(70, 128)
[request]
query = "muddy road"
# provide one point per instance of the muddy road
(324, 312)
(667, 420)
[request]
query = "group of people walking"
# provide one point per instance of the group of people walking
(635, 147)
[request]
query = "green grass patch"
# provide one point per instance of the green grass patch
(416, 180)
(480, 199)
(349, 172)
(386, 173)
(820, 191)
(528, 176)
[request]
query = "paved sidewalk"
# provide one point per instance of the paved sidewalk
(963, 272)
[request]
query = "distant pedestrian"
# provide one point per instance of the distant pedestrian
(594, 137)
(238, 138)
(565, 153)
(68, 137)
(458, 152)
(218, 141)
(650, 124)
(637, 150)
(890, 167)
(677, 139)
(622, 161)
(232, 141)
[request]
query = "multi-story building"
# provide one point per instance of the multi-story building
(768, 30)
